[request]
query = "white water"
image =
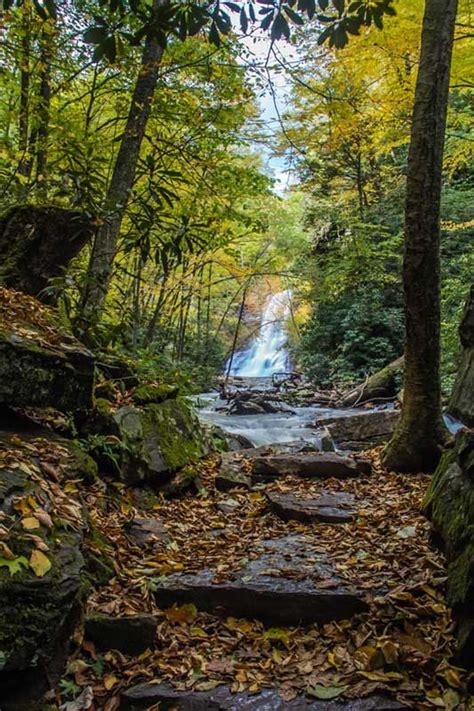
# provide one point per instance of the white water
(267, 353)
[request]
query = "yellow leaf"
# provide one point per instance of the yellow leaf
(29, 523)
(389, 651)
(185, 613)
(39, 563)
(110, 681)
(452, 677)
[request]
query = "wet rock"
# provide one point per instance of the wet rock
(144, 696)
(239, 407)
(145, 532)
(312, 465)
(362, 428)
(327, 508)
(129, 635)
(449, 504)
(287, 583)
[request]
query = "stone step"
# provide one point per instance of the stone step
(317, 465)
(286, 581)
(145, 696)
(327, 508)
(130, 635)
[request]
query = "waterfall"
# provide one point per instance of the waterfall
(267, 353)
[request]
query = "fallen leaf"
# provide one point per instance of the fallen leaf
(39, 563)
(327, 692)
(30, 523)
(185, 613)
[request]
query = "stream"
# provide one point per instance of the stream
(267, 355)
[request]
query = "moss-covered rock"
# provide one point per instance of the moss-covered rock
(154, 393)
(449, 504)
(37, 243)
(159, 439)
(41, 576)
(41, 363)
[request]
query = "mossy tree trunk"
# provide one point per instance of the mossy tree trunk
(417, 442)
(461, 404)
(121, 184)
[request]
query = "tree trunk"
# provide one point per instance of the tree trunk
(23, 122)
(418, 440)
(461, 404)
(44, 104)
(105, 245)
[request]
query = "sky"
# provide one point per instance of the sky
(273, 99)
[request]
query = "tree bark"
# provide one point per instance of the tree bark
(461, 404)
(24, 115)
(417, 442)
(44, 105)
(105, 245)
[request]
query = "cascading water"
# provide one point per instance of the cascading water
(267, 353)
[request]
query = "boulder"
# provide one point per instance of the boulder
(154, 393)
(130, 635)
(158, 440)
(326, 508)
(360, 429)
(288, 582)
(319, 465)
(37, 243)
(449, 504)
(41, 364)
(151, 694)
(461, 404)
(41, 569)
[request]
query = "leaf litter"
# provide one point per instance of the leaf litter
(403, 646)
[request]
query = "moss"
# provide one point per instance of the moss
(98, 556)
(154, 393)
(461, 579)
(80, 464)
(102, 406)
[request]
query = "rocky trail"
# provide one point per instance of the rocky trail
(142, 568)
(255, 609)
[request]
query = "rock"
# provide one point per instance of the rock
(461, 404)
(312, 465)
(154, 393)
(240, 407)
(327, 508)
(38, 610)
(118, 369)
(228, 505)
(145, 532)
(40, 365)
(449, 504)
(385, 385)
(144, 696)
(280, 586)
(327, 442)
(37, 243)
(158, 440)
(362, 428)
(130, 635)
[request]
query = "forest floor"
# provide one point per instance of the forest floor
(401, 647)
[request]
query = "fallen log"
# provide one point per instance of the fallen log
(383, 385)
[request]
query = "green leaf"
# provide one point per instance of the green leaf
(15, 565)
(327, 692)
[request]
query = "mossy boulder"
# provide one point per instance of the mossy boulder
(37, 243)
(154, 393)
(461, 404)
(159, 439)
(41, 363)
(449, 504)
(41, 566)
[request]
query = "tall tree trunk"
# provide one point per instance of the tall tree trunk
(418, 440)
(105, 245)
(23, 122)
(44, 104)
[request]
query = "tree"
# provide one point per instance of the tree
(105, 243)
(186, 19)
(418, 440)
